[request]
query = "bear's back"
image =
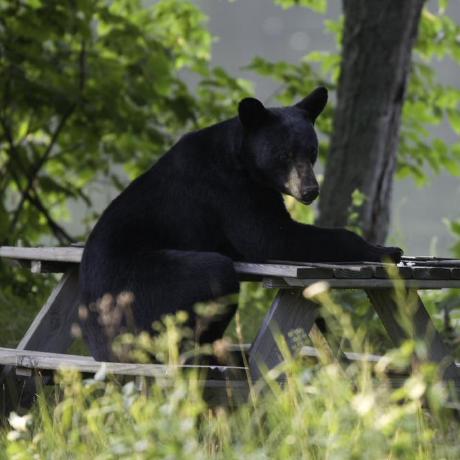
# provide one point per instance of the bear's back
(171, 206)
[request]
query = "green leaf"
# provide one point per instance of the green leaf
(442, 6)
(453, 166)
(34, 3)
(454, 119)
(320, 6)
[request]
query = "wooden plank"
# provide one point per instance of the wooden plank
(304, 271)
(361, 272)
(314, 272)
(34, 360)
(381, 271)
(255, 272)
(289, 311)
(371, 283)
(244, 268)
(56, 254)
(417, 259)
(431, 273)
(51, 328)
(450, 269)
(425, 267)
(418, 325)
(344, 270)
(328, 271)
(226, 386)
(28, 359)
(309, 270)
(49, 331)
(431, 262)
(53, 361)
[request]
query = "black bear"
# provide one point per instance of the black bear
(216, 196)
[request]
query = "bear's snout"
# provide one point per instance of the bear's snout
(309, 194)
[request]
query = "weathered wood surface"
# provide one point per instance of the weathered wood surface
(49, 331)
(221, 385)
(343, 272)
(411, 320)
(419, 272)
(29, 359)
(51, 327)
(228, 385)
(402, 271)
(371, 283)
(53, 361)
(57, 254)
(34, 360)
(289, 312)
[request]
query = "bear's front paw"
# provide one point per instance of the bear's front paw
(385, 253)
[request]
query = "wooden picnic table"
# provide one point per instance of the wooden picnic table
(49, 336)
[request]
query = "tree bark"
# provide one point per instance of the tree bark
(378, 39)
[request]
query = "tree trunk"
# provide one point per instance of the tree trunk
(376, 56)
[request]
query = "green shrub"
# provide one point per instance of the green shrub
(322, 410)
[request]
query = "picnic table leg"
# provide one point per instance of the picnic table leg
(414, 315)
(50, 331)
(289, 311)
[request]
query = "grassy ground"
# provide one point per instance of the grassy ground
(325, 410)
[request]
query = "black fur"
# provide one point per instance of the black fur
(171, 236)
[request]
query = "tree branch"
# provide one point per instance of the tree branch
(46, 155)
(58, 231)
(32, 196)
(62, 236)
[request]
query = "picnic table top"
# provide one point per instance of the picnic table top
(419, 272)
(49, 336)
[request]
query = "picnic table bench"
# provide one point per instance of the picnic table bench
(49, 336)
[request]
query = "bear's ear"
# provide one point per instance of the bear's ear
(314, 103)
(252, 112)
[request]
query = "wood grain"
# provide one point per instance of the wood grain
(289, 311)
(53, 361)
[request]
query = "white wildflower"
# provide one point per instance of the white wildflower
(19, 423)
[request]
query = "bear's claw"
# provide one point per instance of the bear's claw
(390, 252)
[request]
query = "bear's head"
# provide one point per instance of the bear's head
(280, 146)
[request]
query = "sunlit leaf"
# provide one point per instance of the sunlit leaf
(319, 6)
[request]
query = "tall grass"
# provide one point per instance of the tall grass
(303, 409)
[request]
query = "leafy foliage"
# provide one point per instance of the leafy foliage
(86, 87)
(429, 102)
(90, 93)
(454, 226)
(324, 410)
